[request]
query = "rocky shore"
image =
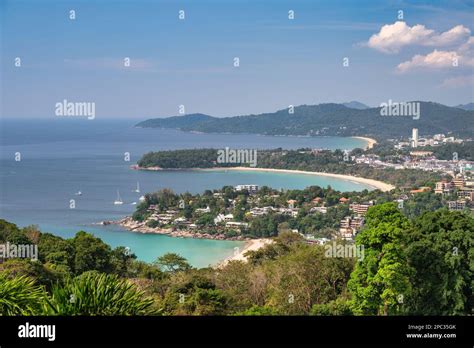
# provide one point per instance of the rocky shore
(141, 227)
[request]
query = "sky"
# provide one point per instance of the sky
(424, 53)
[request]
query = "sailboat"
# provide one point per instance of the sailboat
(118, 201)
(137, 190)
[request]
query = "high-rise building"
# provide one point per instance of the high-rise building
(360, 208)
(414, 137)
(444, 187)
(458, 182)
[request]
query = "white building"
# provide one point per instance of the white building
(457, 205)
(236, 224)
(219, 218)
(261, 211)
(287, 211)
(203, 210)
(322, 210)
(249, 188)
(180, 220)
(414, 137)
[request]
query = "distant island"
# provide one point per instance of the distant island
(314, 161)
(349, 119)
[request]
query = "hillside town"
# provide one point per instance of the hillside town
(249, 211)
(416, 157)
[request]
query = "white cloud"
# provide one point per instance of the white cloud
(392, 37)
(453, 36)
(436, 59)
(439, 59)
(467, 47)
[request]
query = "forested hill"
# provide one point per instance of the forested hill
(328, 119)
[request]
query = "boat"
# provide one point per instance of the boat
(142, 199)
(118, 201)
(133, 203)
(137, 190)
(78, 193)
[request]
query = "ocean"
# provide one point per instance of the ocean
(59, 157)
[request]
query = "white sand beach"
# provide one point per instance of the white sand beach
(371, 182)
(370, 142)
(250, 245)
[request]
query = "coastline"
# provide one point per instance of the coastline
(140, 227)
(370, 142)
(384, 187)
(250, 245)
(238, 255)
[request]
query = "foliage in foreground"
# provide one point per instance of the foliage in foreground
(423, 265)
(20, 296)
(99, 294)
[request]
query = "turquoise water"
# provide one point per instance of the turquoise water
(147, 247)
(61, 157)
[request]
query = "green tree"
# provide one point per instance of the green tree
(6, 229)
(41, 274)
(56, 250)
(120, 260)
(380, 282)
(237, 280)
(305, 277)
(206, 302)
(339, 306)
(421, 202)
(259, 311)
(171, 262)
(441, 251)
(91, 253)
(206, 219)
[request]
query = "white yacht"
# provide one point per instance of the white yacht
(137, 190)
(118, 201)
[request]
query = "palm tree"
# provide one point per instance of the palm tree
(20, 296)
(93, 293)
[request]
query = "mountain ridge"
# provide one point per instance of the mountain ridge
(328, 119)
(354, 104)
(468, 106)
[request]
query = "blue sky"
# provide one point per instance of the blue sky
(190, 62)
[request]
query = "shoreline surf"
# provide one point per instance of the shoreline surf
(384, 187)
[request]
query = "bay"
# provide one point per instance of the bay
(60, 157)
